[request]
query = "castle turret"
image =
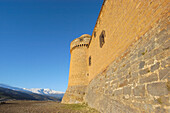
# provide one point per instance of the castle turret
(78, 75)
(78, 65)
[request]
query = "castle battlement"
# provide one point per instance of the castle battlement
(82, 41)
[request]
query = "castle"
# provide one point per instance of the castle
(124, 66)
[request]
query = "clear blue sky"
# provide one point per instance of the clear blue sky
(35, 38)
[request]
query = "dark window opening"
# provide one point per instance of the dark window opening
(89, 60)
(102, 36)
(94, 34)
(81, 39)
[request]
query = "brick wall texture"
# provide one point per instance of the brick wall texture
(130, 73)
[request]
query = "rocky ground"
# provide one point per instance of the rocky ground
(43, 107)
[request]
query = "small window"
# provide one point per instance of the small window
(81, 39)
(94, 34)
(89, 60)
(102, 36)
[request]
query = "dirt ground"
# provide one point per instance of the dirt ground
(43, 107)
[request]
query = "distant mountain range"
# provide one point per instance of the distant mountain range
(42, 94)
(48, 92)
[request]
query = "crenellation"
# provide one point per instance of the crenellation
(82, 41)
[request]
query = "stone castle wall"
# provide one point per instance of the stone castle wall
(124, 22)
(138, 82)
(130, 72)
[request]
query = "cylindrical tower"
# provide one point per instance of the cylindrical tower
(78, 65)
(78, 75)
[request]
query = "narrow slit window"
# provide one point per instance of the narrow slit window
(102, 40)
(95, 34)
(89, 60)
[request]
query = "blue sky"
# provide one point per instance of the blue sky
(35, 38)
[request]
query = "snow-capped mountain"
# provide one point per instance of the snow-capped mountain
(48, 92)
(41, 91)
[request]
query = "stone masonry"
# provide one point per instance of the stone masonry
(138, 82)
(78, 76)
(125, 66)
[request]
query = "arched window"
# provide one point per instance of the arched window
(102, 36)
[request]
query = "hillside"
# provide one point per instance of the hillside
(41, 91)
(7, 94)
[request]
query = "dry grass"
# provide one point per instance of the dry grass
(43, 107)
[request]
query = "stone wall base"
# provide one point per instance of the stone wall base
(74, 94)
